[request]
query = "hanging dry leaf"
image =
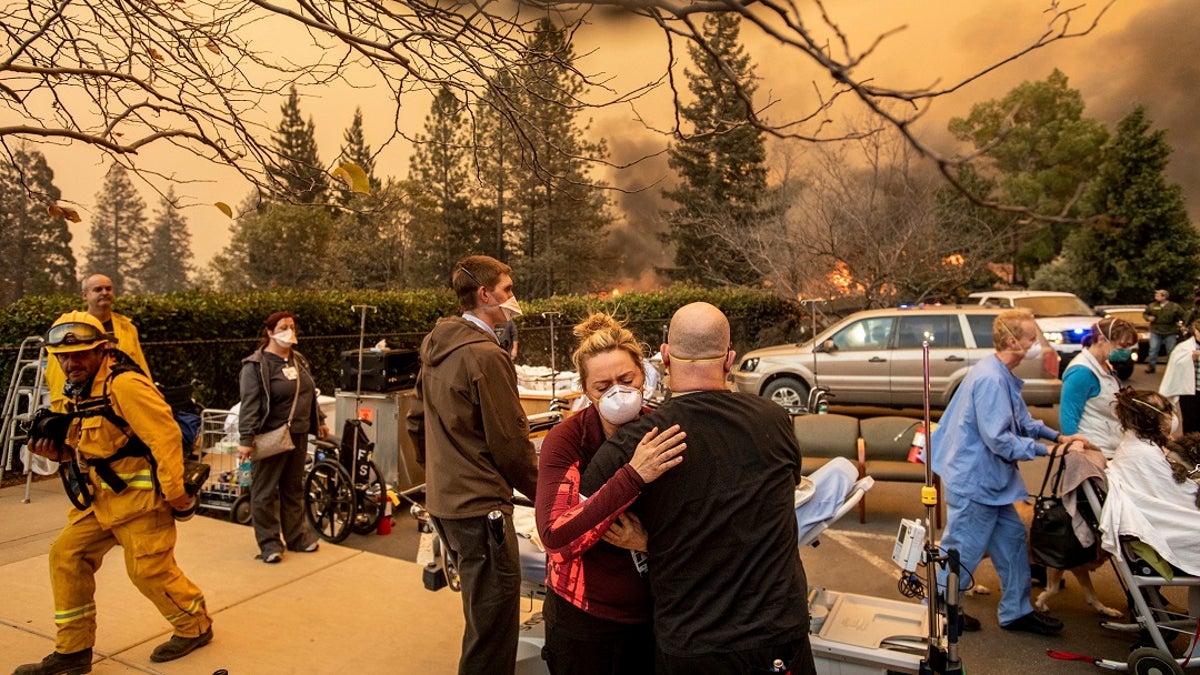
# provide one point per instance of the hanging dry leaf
(67, 212)
(354, 177)
(212, 46)
(155, 55)
(224, 208)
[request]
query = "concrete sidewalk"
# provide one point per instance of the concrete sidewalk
(336, 610)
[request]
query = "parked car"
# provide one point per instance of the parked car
(875, 358)
(1065, 319)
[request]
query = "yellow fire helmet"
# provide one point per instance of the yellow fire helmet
(75, 331)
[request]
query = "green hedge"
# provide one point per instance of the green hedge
(203, 336)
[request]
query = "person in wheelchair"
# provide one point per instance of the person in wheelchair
(1145, 500)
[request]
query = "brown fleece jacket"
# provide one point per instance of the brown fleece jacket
(467, 424)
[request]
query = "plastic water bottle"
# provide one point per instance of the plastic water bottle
(822, 408)
(243, 474)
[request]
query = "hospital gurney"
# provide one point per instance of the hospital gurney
(850, 634)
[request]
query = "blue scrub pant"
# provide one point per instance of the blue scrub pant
(973, 529)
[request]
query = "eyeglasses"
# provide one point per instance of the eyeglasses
(73, 333)
(468, 273)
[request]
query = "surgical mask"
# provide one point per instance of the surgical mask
(1120, 354)
(620, 404)
(1034, 351)
(512, 308)
(285, 337)
(1174, 425)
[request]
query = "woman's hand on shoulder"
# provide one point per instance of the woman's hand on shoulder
(658, 451)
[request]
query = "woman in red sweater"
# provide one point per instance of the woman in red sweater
(597, 607)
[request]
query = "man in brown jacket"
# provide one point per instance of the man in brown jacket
(472, 436)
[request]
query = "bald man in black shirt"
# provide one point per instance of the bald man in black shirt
(728, 585)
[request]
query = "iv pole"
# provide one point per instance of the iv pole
(942, 655)
(553, 361)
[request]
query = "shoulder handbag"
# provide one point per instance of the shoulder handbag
(1052, 540)
(279, 440)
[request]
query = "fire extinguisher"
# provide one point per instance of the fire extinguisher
(916, 451)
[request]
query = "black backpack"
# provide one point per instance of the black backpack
(74, 480)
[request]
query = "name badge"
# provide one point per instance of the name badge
(290, 372)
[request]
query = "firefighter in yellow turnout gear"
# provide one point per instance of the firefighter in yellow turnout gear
(138, 518)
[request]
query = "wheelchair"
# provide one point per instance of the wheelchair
(344, 491)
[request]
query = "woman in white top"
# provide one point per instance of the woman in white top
(1090, 385)
(1144, 499)
(1179, 381)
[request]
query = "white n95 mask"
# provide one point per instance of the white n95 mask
(285, 337)
(620, 404)
(1034, 351)
(512, 308)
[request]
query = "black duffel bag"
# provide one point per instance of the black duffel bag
(1052, 540)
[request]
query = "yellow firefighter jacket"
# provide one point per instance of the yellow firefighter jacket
(134, 399)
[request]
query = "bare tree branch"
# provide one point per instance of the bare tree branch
(121, 76)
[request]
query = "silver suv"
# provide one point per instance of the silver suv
(875, 358)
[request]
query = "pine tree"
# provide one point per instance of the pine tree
(169, 254)
(360, 254)
(563, 211)
(276, 245)
(557, 215)
(28, 234)
(439, 167)
(297, 165)
(1140, 237)
(119, 233)
(721, 164)
(495, 163)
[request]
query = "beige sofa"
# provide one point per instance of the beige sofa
(877, 445)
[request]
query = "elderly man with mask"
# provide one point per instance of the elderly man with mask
(725, 574)
(984, 432)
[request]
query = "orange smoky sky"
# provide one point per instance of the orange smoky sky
(1137, 55)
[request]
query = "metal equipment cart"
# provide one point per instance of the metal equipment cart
(228, 486)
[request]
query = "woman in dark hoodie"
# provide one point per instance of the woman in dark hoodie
(277, 389)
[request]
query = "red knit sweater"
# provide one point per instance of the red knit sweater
(591, 574)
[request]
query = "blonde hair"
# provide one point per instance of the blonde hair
(601, 333)
(1009, 324)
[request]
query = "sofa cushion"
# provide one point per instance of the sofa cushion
(823, 437)
(888, 438)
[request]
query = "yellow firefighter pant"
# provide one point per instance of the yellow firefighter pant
(149, 544)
